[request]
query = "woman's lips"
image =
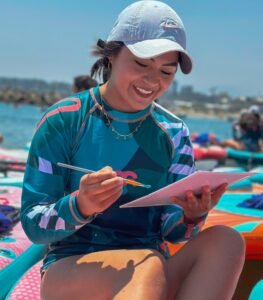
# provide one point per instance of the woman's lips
(144, 93)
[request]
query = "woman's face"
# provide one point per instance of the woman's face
(134, 82)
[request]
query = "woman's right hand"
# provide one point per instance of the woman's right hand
(98, 191)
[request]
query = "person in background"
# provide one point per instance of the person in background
(236, 129)
(83, 82)
(247, 132)
(250, 134)
(98, 250)
(255, 109)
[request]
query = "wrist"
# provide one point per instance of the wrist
(82, 212)
(193, 220)
(86, 218)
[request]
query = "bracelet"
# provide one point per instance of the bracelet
(188, 221)
(87, 219)
(90, 218)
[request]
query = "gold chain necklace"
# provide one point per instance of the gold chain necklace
(118, 134)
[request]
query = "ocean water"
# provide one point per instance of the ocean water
(17, 124)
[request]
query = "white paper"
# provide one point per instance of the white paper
(193, 182)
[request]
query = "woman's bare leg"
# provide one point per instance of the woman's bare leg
(232, 144)
(208, 266)
(107, 275)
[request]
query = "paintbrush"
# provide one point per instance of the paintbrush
(87, 171)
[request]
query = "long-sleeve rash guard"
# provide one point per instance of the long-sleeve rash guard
(75, 131)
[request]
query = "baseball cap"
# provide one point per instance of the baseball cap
(243, 111)
(150, 28)
(254, 109)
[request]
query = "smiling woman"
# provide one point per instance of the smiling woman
(117, 129)
(142, 80)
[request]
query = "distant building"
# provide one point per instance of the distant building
(187, 90)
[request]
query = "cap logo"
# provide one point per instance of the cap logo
(168, 24)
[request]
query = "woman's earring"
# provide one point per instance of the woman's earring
(107, 63)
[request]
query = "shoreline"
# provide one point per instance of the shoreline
(206, 114)
(226, 116)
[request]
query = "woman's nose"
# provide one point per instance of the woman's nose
(152, 79)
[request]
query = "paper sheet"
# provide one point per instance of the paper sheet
(192, 182)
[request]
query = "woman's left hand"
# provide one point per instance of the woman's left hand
(195, 206)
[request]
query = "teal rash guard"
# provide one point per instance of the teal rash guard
(75, 131)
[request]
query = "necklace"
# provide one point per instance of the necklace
(116, 132)
(109, 122)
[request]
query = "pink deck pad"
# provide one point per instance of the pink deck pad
(16, 240)
(29, 285)
(19, 244)
(10, 195)
(6, 157)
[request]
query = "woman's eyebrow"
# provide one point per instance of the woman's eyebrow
(171, 64)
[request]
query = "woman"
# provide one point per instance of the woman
(96, 249)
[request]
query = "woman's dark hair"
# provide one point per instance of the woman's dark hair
(249, 122)
(83, 82)
(102, 67)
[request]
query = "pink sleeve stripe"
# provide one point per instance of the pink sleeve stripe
(67, 108)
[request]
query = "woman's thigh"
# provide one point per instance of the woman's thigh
(213, 251)
(115, 274)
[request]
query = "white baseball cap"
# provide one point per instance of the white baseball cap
(254, 109)
(150, 28)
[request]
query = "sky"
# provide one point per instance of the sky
(52, 40)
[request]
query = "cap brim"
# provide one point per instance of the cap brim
(156, 47)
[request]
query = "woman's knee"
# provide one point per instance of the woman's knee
(154, 266)
(149, 277)
(226, 238)
(153, 270)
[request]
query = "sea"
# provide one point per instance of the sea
(18, 123)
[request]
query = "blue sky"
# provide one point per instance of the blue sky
(52, 40)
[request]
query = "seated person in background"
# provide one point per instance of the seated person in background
(83, 82)
(255, 109)
(247, 133)
(236, 129)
